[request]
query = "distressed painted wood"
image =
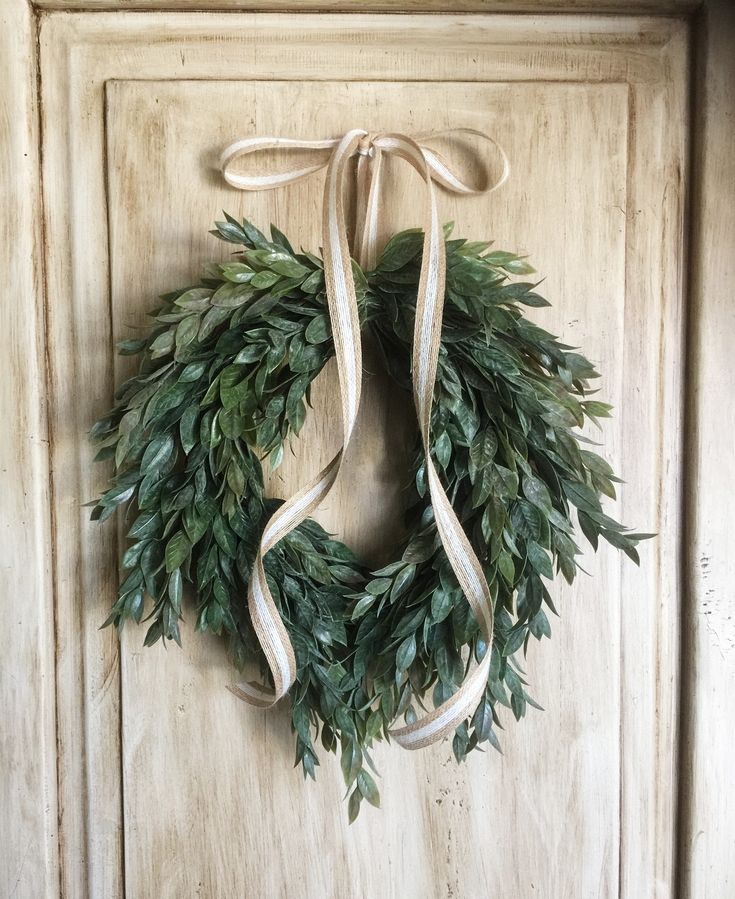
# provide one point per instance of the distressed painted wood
(707, 837)
(28, 821)
(592, 111)
(622, 7)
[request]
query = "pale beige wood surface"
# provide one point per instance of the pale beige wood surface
(28, 812)
(707, 837)
(629, 7)
(592, 112)
(182, 125)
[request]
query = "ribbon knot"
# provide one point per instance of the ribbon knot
(343, 312)
(365, 147)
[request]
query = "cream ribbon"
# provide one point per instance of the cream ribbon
(343, 312)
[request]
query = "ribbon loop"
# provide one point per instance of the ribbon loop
(343, 313)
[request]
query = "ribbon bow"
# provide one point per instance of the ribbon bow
(343, 313)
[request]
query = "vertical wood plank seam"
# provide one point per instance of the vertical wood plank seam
(629, 143)
(117, 529)
(43, 335)
(687, 564)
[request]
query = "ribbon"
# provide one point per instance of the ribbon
(343, 312)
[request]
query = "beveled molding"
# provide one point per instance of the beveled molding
(619, 7)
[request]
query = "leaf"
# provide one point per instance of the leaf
(233, 386)
(353, 806)
(402, 582)
(482, 720)
(157, 455)
(406, 653)
(401, 249)
(232, 296)
(194, 300)
(505, 482)
(506, 567)
(224, 537)
(186, 331)
(278, 237)
(582, 496)
(264, 280)
(131, 347)
(537, 492)
(368, 788)
(362, 606)
(539, 559)
(231, 232)
(237, 272)
(145, 525)
(442, 604)
(443, 449)
(318, 330)
(192, 372)
(235, 478)
(189, 428)
(162, 345)
(175, 589)
(351, 760)
(518, 267)
(378, 586)
(177, 550)
(287, 266)
(500, 257)
(482, 450)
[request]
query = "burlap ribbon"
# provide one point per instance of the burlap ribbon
(343, 312)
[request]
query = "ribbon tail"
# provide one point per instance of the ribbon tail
(450, 714)
(343, 312)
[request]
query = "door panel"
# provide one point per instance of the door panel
(198, 788)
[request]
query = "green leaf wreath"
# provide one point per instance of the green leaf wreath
(224, 382)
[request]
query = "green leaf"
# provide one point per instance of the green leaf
(402, 582)
(233, 386)
(232, 296)
(539, 559)
(157, 455)
(175, 589)
(194, 300)
(351, 760)
(177, 550)
(318, 330)
(406, 653)
(378, 586)
(537, 492)
(189, 428)
(443, 449)
(353, 806)
(442, 604)
(401, 249)
(368, 788)
(237, 272)
(131, 347)
(482, 450)
(264, 280)
(362, 606)
(287, 266)
(482, 720)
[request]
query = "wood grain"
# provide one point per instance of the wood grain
(621, 7)
(28, 821)
(592, 111)
(181, 126)
(707, 835)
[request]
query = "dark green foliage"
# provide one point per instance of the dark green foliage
(224, 381)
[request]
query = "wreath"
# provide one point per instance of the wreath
(223, 385)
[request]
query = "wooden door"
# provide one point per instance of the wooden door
(167, 784)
